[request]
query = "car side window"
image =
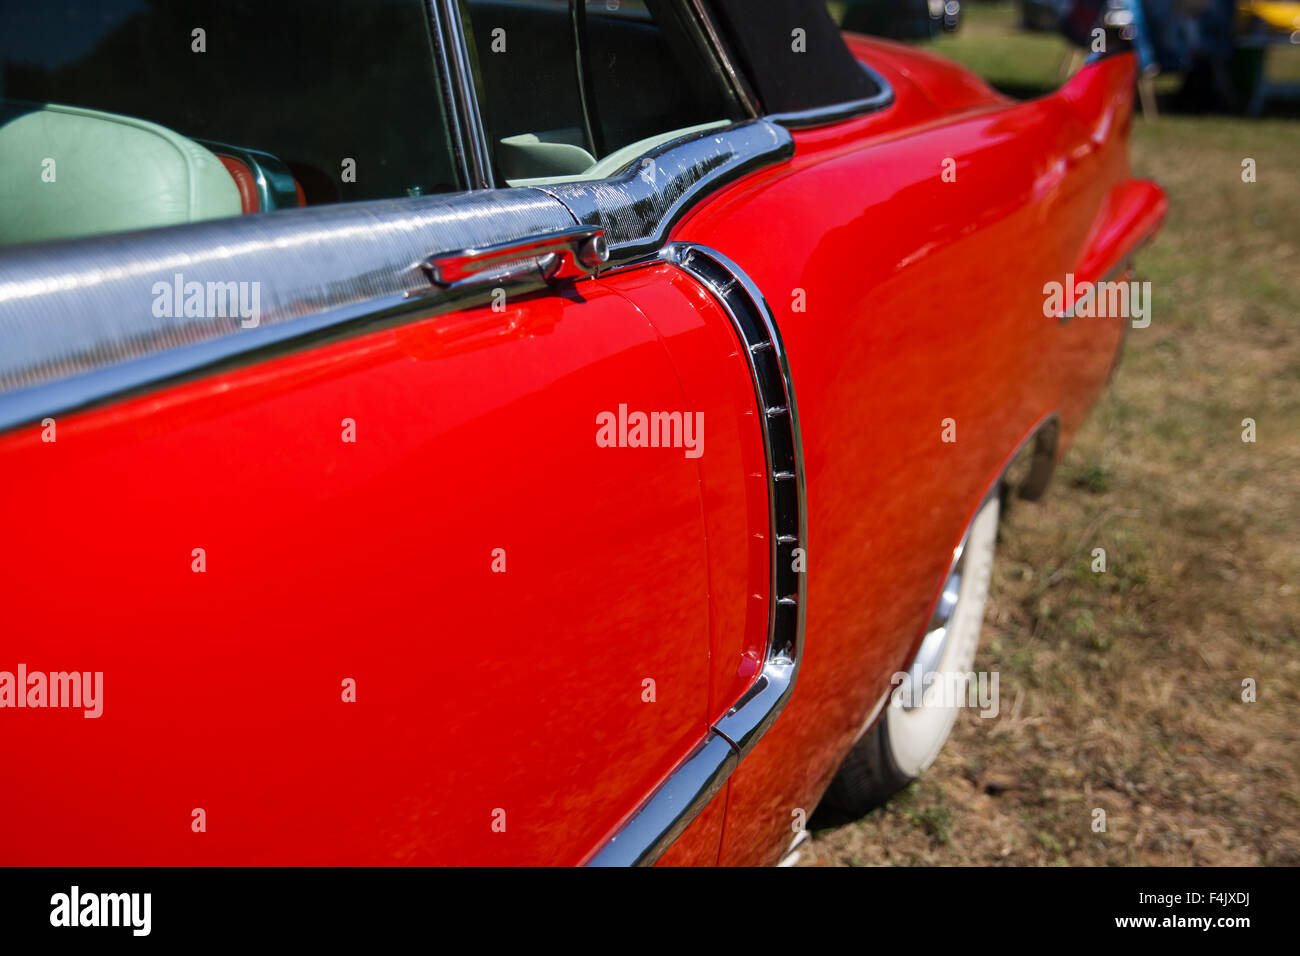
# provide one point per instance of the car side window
(577, 90)
(127, 114)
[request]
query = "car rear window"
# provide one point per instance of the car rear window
(793, 54)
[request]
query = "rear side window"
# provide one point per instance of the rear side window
(121, 114)
(578, 90)
(793, 54)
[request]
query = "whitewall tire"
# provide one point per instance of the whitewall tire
(920, 713)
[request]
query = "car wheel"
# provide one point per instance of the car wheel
(910, 733)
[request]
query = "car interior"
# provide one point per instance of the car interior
(269, 106)
(638, 78)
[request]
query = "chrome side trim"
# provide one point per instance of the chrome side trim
(793, 854)
(77, 317)
(838, 112)
(877, 709)
(672, 807)
(679, 799)
(640, 205)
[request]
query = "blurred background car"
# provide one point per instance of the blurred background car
(1219, 48)
(1044, 15)
(906, 20)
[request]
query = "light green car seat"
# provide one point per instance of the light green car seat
(67, 171)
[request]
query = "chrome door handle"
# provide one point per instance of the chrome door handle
(567, 254)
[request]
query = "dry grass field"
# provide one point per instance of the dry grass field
(1123, 690)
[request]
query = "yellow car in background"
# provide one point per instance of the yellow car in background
(1271, 15)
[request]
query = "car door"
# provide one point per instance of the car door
(380, 527)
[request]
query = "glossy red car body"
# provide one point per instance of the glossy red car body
(486, 697)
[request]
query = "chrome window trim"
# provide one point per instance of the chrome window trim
(592, 130)
(460, 95)
(638, 206)
(739, 82)
(669, 810)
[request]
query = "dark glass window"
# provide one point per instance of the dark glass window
(328, 100)
(793, 54)
(564, 85)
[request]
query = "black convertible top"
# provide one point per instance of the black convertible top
(791, 72)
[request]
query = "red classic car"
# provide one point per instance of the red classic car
(401, 455)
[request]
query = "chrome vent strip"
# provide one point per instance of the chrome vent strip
(79, 322)
(679, 799)
(751, 716)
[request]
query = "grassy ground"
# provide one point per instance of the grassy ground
(1123, 691)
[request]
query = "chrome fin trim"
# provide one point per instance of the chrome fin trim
(639, 206)
(669, 810)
